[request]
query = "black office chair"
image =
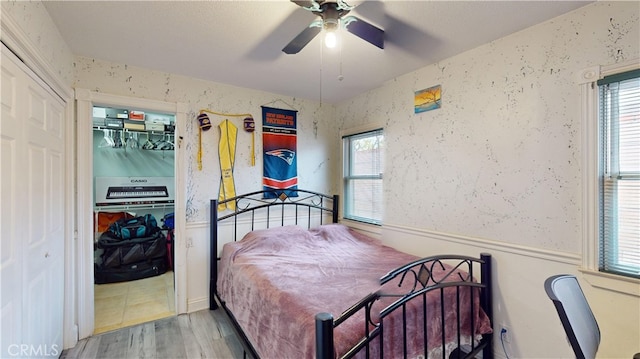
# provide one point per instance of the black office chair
(575, 314)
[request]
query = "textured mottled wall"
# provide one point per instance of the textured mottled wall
(498, 169)
(35, 22)
(318, 149)
(501, 159)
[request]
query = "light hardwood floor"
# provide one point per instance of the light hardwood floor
(202, 334)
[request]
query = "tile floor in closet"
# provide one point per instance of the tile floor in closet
(119, 305)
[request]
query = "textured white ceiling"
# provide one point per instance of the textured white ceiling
(240, 42)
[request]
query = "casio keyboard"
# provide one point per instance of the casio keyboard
(113, 191)
(137, 192)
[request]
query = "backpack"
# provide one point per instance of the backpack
(168, 220)
(137, 227)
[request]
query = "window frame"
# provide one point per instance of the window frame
(615, 174)
(372, 127)
(587, 79)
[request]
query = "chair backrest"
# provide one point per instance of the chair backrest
(575, 314)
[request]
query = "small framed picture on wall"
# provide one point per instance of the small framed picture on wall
(427, 99)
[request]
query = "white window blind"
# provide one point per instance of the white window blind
(620, 174)
(363, 169)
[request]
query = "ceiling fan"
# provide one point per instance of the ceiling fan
(333, 15)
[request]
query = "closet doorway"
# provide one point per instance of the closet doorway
(134, 173)
(134, 195)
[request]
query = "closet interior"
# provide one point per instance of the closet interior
(134, 193)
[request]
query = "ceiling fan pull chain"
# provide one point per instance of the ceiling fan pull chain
(340, 76)
(321, 64)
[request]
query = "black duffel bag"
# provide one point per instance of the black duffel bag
(127, 272)
(118, 252)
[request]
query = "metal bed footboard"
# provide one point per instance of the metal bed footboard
(420, 272)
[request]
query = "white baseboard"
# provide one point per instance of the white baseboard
(197, 304)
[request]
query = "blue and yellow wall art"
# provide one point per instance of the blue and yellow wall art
(427, 99)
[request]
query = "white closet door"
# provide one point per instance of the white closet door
(32, 220)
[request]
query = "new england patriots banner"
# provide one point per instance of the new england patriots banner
(279, 142)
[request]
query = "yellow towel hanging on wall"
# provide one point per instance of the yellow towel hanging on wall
(227, 154)
(205, 124)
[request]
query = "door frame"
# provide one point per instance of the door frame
(85, 100)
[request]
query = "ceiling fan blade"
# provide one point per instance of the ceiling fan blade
(307, 4)
(365, 31)
(302, 39)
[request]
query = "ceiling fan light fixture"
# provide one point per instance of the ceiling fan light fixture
(330, 39)
(332, 15)
(330, 26)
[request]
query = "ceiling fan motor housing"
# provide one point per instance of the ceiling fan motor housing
(331, 14)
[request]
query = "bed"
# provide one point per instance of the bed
(297, 284)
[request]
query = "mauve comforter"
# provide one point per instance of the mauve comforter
(276, 280)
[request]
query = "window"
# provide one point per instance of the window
(619, 174)
(363, 168)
